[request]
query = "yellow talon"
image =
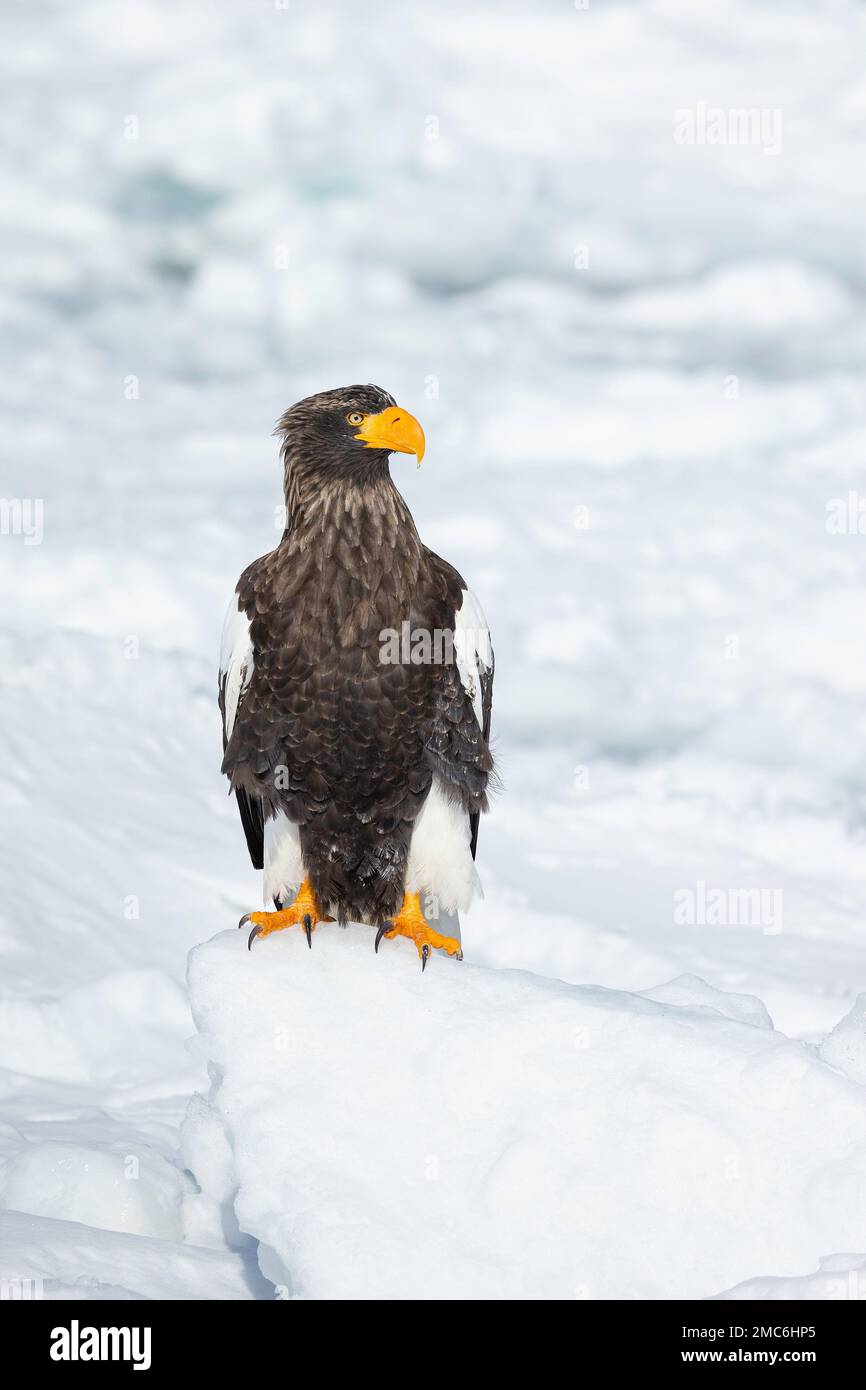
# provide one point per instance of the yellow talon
(410, 921)
(304, 911)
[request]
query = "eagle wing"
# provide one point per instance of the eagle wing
(236, 670)
(457, 747)
(474, 655)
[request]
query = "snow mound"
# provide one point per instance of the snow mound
(139, 1193)
(43, 1258)
(845, 1047)
(838, 1278)
(691, 991)
(470, 1133)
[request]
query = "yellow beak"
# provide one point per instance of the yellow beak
(394, 429)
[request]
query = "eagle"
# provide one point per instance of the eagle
(355, 688)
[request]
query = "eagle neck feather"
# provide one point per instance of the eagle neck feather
(363, 508)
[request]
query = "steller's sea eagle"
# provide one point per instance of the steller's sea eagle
(355, 687)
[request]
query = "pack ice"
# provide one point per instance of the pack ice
(476, 1133)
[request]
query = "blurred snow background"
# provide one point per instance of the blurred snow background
(639, 364)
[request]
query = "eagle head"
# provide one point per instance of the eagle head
(346, 433)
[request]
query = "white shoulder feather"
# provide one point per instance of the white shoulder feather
(472, 649)
(236, 661)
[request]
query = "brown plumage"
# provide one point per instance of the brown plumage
(344, 744)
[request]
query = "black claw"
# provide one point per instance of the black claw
(253, 934)
(308, 928)
(278, 907)
(247, 917)
(460, 954)
(425, 955)
(386, 926)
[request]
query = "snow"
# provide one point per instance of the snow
(59, 1259)
(639, 369)
(845, 1046)
(140, 1194)
(492, 1134)
(838, 1278)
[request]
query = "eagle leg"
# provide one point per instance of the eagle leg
(303, 912)
(410, 921)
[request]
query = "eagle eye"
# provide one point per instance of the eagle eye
(355, 417)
